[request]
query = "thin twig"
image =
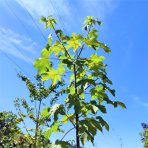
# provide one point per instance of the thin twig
(67, 133)
(80, 51)
(60, 40)
(84, 44)
(24, 124)
(37, 122)
(35, 108)
(71, 121)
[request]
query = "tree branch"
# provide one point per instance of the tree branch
(19, 113)
(84, 44)
(37, 123)
(71, 121)
(67, 133)
(60, 40)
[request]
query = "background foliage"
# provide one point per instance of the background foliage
(145, 135)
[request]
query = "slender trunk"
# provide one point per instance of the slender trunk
(77, 131)
(37, 124)
(77, 115)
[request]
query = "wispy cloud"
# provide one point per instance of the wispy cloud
(44, 7)
(17, 45)
(135, 98)
(145, 104)
(140, 101)
(70, 12)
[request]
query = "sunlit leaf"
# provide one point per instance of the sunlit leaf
(74, 42)
(45, 112)
(42, 64)
(48, 132)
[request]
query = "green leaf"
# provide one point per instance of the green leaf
(118, 103)
(99, 23)
(54, 128)
(94, 58)
(87, 122)
(91, 42)
(43, 19)
(91, 128)
(102, 108)
(72, 78)
(42, 64)
(107, 126)
(93, 34)
(68, 62)
(57, 48)
(88, 20)
(70, 101)
(67, 117)
(53, 75)
(60, 69)
(105, 47)
(50, 22)
(48, 132)
(45, 53)
(96, 124)
(103, 122)
(95, 108)
(74, 42)
(83, 138)
(45, 112)
(96, 92)
(60, 144)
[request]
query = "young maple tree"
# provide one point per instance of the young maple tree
(76, 58)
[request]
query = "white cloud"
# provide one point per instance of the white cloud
(69, 12)
(45, 7)
(17, 45)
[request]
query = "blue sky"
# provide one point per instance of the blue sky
(124, 29)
